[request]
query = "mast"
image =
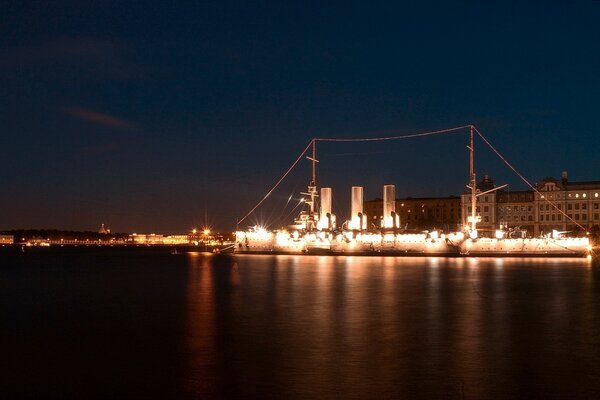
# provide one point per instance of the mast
(473, 181)
(312, 188)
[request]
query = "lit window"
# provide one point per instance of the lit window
(595, 194)
(584, 195)
(577, 196)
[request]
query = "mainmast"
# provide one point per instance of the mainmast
(473, 182)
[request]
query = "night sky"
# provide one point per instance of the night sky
(151, 118)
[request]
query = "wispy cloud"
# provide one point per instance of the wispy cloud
(98, 118)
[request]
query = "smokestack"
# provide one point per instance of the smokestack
(325, 210)
(357, 208)
(565, 177)
(389, 206)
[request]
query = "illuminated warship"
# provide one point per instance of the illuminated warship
(315, 231)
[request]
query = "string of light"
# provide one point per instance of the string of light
(378, 139)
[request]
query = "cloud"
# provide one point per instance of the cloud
(98, 118)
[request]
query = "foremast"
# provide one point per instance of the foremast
(310, 220)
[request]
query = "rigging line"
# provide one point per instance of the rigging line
(376, 139)
(278, 182)
(526, 181)
(285, 206)
(294, 209)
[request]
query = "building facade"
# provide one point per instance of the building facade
(557, 205)
(6, 239)
(419, 213)
(485, 208)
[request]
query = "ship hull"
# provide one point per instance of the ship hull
(411, 246)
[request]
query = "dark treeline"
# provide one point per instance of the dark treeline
(55, 234)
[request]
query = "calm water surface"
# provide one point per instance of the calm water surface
(128, 323)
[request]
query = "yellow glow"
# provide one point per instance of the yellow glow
(206, 231)
(194, 231)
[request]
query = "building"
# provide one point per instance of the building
(580, 201)
(104, 230)
(516, 210)
(419, 212)
(6, 239)
(557, 205)
(486, 205)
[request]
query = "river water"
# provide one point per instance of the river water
(142, 323)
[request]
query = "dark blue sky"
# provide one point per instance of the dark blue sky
(147, 116)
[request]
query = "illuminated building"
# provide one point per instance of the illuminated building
(6, 239)
(578, 200)
(104, 229)
(419, 212)
(559, 206)
(486, 204)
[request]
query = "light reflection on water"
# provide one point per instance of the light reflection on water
(369, 327)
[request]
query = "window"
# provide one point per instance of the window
(577, 206)
(485, 198)
(547, 207)
(478, 209)
(530, 218)
(569, 206)
(486, 208)
(596, 216)
(529, 208)
(559, 217)
(584, 206)
(553, 217)
(541, 207)
(486, 219)
(576, 217)
(595, 206)
(583, 216)
(541, 217)
(522, 218)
